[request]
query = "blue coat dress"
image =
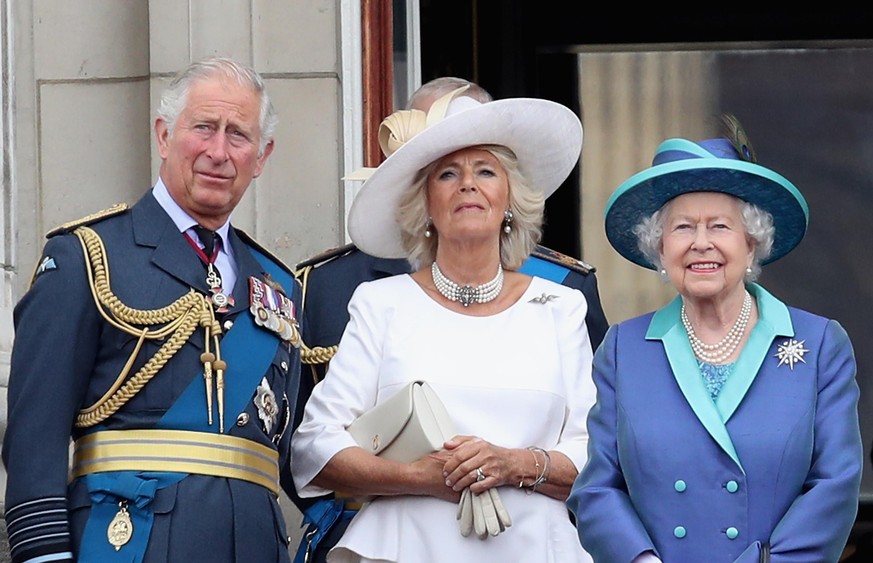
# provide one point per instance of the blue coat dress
(66, 356)
(776, 460)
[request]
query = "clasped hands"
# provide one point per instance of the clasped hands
(483, 512)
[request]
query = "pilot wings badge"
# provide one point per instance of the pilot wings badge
(543, 299)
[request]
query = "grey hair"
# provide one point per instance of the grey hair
(757, 223)
(526, 203)
(175, 96)
(439, 87)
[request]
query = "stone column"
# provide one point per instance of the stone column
(6, 228)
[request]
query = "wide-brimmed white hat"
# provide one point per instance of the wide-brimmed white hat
(545, 136)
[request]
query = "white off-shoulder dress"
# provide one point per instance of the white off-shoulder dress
(519, 378)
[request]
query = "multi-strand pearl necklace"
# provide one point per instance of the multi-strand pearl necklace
(722, 350)
(467, 294)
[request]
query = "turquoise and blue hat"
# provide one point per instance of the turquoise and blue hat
(681, 166)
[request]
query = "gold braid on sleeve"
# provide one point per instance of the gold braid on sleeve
(317, 355)
(175, 323)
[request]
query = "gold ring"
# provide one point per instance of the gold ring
(480, 475)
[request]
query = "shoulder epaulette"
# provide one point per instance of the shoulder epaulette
(326, 256)
(252, 242)
(70, 226)
(563, 260)
(302, 270)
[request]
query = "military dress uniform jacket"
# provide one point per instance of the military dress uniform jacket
(774, 462)
(66, 356)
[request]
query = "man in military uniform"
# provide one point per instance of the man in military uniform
(330, 278)
(164, 342)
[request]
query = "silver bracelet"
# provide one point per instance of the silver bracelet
(544, 475)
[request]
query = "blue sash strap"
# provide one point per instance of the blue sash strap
(106, 491)
(248, 351)
(320, 518)
(540, 268)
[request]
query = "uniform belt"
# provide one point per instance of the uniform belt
(178, 451)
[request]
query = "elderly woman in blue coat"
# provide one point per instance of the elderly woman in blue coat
(726, 424)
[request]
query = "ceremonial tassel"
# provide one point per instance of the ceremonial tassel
(220, 367)
(207, 358)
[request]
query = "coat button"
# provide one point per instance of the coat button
(732, 533)
(242, 419)
(228, 324)
(679, 532)
(680, 486)
(732, 486)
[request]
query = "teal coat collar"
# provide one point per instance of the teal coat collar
(773, 320)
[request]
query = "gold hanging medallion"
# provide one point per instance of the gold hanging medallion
(121, 528)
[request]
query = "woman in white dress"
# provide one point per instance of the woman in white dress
(461, 196)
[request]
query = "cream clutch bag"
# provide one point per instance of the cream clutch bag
(405, 427)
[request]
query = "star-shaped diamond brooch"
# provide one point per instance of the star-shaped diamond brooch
(790, 352)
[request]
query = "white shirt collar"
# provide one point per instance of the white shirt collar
(180, 217)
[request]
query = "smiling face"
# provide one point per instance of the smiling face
(211, 157)
(467, 194)
(704, 248)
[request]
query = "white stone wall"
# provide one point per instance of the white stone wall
(6, 259)
(83, 82)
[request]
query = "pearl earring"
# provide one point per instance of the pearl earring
(507, 221)
(427, 231)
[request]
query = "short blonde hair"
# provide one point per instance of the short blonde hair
(526, 203)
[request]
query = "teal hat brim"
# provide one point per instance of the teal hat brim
(647, 191)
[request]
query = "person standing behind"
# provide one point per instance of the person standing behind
(163, 341)
(726, 423)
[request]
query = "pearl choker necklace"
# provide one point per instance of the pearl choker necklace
(722, 350)
(467, 294)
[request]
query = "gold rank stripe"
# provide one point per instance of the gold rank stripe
(178, 451)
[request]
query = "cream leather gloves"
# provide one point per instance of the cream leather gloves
(482, 513)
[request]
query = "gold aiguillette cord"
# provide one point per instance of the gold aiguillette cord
(212, 363)
(220, 367)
